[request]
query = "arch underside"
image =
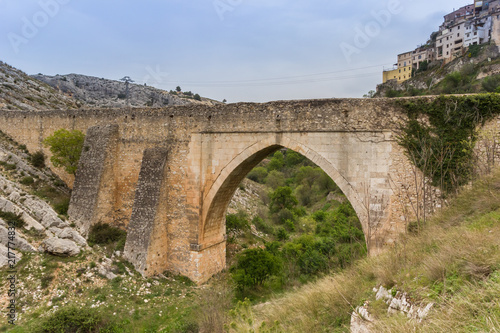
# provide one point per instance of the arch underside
(213, 218)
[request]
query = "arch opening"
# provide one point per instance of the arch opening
(214, 228)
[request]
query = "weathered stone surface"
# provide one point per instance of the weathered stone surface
(61, 247)
(210, 150)
(4, 256)
(93, 189)
(144, 213)
(104, 269)
(361, 320)
(19, 243)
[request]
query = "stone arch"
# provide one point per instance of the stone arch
(217, 199)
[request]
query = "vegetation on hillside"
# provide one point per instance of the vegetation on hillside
(442, 147)
(66, 148)
(303, 233)
(458, 77)
(453, 262)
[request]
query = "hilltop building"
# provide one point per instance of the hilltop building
(474, 24)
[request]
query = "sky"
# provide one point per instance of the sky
(238, 50)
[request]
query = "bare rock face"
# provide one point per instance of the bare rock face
(60, 247)
(100, 92)
(18, 91)
(17, 242)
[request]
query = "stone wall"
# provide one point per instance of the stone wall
(174, 211)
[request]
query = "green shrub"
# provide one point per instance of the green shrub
(78, 320)
(38, 159)
(258, 174)
(491, 83)
(103, 234)
(62, 206)
(12, 219)
(393, 93)
(277, 161)
(281, 234)
(27, 180)
(254, 266)
(262, 226)
(8, 166)
(275, 179)
(282, 198)
(66, 147)
(236, 223)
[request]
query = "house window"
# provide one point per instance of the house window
(475, 33)
(458, 35)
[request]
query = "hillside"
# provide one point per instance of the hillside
(100, 92)
(18, 91)
(476, 71)
(445, 278)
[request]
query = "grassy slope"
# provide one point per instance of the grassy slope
(454, 262)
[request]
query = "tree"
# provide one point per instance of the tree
(66, 148)
(127, 80)
(370, 94)
(282, 198)
(254, 267)
(197, 97)
(178, 89)
(276, 162)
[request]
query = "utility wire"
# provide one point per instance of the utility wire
(285, 80)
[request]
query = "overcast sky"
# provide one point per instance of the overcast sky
(239, 50)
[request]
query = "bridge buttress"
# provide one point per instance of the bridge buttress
(94, 188)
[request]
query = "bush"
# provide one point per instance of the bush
(281, 234)
(197, 97)
(73, 319)
(282, 198)
(254, 266)
(393, 93)
(12, 219)
(236, 223)
(62, 207)
(277, 161)
(262, 226)
(275, 179)
(28, 180)
(258, 175)
(491, 83)
(103, 234)
(66, 147)
(38, 159)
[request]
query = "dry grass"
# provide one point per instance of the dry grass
(454, 262)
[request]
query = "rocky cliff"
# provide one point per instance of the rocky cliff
(102, 92)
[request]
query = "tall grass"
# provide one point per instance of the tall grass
(454, 262)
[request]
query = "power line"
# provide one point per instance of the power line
(285, 80)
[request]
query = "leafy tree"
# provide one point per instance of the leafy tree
(293, 158)
(178, 89)
(258, 174)
(66, 148)
(275, 179)
(282, 198)
(255, 266)
(236, 223)
(370, 94)
(491, 83)
(38, 159)
(277, 161)
(197, 97)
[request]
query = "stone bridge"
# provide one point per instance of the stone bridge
(167, 175)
